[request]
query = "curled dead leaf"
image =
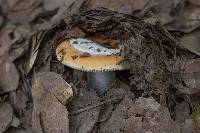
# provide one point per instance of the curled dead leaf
(36, 40)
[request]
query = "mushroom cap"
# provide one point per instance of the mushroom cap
(73, 58)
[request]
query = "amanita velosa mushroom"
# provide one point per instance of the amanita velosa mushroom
(97, 60)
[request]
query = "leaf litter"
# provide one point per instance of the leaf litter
(160, 47)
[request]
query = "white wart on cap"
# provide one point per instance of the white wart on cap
(86, 55)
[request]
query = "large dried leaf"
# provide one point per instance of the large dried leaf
(110, 4)
(6, 114)
(191, 42)
(21, 11)
(139, 4)
(14, 41)
(19, 48)
(54, 4)
(164, 8)
(190, 77)
(6, 40)
(85, 121)
(187, 21)
(17, 5)
(9, 80)
(161, 8)
(68, 8)
(50, 93)
(145, 115)
(195, 2)
(55, 84)
(120, 121)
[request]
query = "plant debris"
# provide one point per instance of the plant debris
(50, 94)
(6, 115)
(83, 121)
(158, 91)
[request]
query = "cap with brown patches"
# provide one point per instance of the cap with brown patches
(75, 59)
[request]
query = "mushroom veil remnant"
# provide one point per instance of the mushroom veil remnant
(97, 60)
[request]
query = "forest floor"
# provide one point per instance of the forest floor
(159, 90)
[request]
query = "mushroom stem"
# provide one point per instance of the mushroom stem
(101, 81)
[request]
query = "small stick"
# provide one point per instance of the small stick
(94, 106)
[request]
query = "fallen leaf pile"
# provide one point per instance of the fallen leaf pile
(158, 92)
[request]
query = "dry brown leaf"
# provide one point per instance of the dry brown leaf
(19, 48)
(110, 4)
(13, 130)
(21, 11)
(6, 40)
(145, 115)
(6, 115)
(126, 9)
(195, 2)
(55, 84)
(54, 4)
(53, 115)
(14, 41)
(188, 126)
(50, 93)
(12, 3)
(21, 103)
(192, 80)
(190, 77)
(164, 9)
(36, 40)
(17, 5)
(187, 21)
(9, 80)
(191, 42)
(1, 20)
(139, 4)
(182, 112)
(120, 122)
(71, 8)
(85, 121)
(68, 8)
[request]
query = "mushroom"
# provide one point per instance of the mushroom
(98, 61)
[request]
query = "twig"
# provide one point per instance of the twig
(94, 105)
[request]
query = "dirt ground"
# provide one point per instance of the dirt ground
(157, 92)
